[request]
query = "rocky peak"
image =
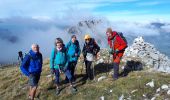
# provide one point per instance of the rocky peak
(148, 55)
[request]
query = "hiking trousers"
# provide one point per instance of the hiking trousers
(89, 69)
(71, 68)
(57, 76)
(116, 70)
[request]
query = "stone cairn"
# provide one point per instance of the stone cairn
(147, 54)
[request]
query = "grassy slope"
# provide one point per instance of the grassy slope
(14, 87)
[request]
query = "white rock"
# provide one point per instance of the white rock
(144, 95)
(48, 76)
(100, 61)
(101, 78)
(122, 97)
(123, 67)
(151, 84)
(102, 98)
(129, 98)
(134, 91)
(154, 98)
(111, 91)
(168, 92)
(164, 87)
(158, 90)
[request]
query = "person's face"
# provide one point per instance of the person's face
(35, 48)
(58, 45)
(109, 35)
(73, 39)
(87, 40)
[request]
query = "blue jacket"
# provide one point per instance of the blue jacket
(32, 63)
(59, 59)
(72, 49)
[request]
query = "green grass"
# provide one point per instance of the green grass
(14, 87)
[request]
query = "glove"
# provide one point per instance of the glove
(52, 70)
(64, 69)
(116, 51)
(76, 54)
(111, 51)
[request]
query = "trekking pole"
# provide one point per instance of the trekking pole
(93, 65)
(107, 69)
(52, 78)
(82, 68)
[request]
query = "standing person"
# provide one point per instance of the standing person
(117, 46)
(20, 57)
(73, 50)
(59, 63)
(32, 67)
(90, 51)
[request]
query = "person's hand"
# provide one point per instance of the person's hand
(52, 70)
(111, 50)
(98, 55)
(76, 54)
(116, 51)
(65, 69)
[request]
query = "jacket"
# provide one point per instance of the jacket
(32, 63)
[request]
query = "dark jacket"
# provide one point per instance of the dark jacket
(91, 47)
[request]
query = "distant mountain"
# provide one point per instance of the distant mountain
(97, 29)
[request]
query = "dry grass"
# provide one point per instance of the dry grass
(14, 87)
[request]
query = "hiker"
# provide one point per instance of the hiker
(32, 67)
(117, 46)
(59, 64)
(90, 52)
(20, 57)
(73, 50)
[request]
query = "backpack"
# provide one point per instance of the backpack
(76, 43)
(123, 38)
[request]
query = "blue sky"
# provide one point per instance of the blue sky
(111, 9)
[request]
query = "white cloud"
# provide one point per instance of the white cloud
(51, 7)
(150, 3)
(166, 28)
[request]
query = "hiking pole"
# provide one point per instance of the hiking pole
(93, 65)
(52, 78)
(107, 69)
(82, 68)
(93, 71)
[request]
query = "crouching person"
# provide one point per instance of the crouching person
(59, 63)
(117, 46)
(32, 67)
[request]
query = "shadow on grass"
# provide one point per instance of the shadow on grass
(129, 67)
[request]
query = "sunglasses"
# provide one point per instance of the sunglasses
(87, 39)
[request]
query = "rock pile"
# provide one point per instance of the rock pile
(148, 55)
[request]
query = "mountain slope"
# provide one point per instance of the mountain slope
(132, 87)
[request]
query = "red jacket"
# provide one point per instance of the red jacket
(117, 43)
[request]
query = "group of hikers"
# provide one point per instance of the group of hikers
(64, 59)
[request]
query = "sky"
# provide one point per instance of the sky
(111, 9)
(23, 22)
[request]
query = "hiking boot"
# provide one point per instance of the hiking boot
(73, 90)
(57, 91)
